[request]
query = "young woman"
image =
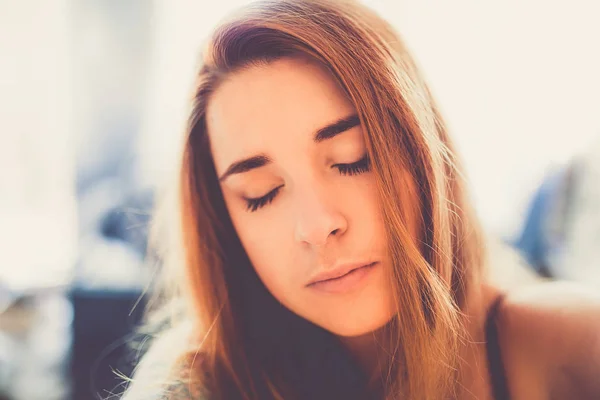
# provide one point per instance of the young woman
(326, 248)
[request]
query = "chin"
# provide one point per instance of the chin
(356, 315)
(353, 325)
(356, 331)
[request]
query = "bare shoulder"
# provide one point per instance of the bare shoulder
(550, 333)
(554, 313)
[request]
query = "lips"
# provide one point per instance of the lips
(343, 280)
(337, 272)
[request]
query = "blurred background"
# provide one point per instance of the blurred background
(93, 99)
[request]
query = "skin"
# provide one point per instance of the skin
(549, 336)
(319, 217)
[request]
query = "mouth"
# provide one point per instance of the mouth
(343, 279)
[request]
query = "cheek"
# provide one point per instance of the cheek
(269, 247)
(284, 265)
(369, 211)
(275, 268)
(367, 216)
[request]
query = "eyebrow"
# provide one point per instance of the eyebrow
(328, 132)
(336, 128)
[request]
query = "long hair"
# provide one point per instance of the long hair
(243, 343)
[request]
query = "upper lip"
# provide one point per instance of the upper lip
(337, 272)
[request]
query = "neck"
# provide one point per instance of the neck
(371, 351)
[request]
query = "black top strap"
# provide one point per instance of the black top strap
(494, 354)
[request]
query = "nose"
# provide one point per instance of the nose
(318, 219)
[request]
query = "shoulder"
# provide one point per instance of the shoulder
(550, 333)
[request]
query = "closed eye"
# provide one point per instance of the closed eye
(361, 166)
(358, 167)
(253, 204)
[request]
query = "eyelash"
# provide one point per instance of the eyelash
(361, 166)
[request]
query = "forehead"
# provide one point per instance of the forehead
(267, 105)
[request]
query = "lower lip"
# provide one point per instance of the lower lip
(351, 281)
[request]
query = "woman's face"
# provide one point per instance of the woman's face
(291, 158)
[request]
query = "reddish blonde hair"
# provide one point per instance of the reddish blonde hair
(410, 150)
